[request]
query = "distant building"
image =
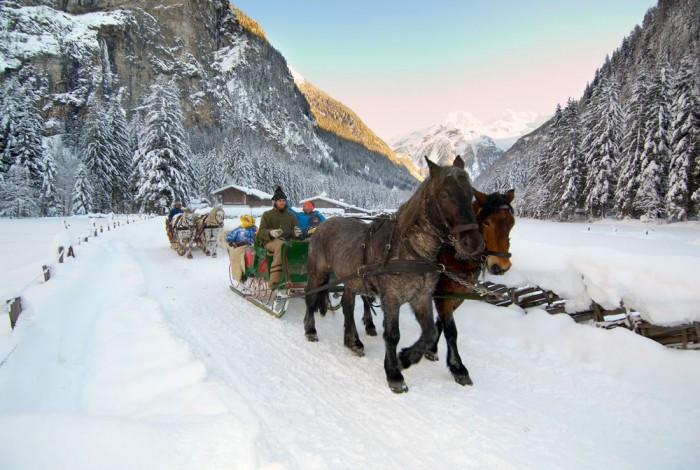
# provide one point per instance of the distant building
(234, 195)
(325, 204)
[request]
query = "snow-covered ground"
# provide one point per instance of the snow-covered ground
(133, 357)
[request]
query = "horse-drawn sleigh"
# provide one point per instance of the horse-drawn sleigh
(435, 238)
(187, 229)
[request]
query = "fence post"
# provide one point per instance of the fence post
(70, 252)
(14, 310)
(60, 254)
(47, 272)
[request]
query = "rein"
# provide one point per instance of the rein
(394, 266)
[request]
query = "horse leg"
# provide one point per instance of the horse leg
(204, 242)
(313, 303)
(432, 353)
(391, 340)
(180, 249)
(212, 242)
(423, 310)
(370, 329)
(351, 339)
(454, 361)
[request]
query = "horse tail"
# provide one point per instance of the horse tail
(322, 298)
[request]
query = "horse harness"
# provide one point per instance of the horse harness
(394, 266)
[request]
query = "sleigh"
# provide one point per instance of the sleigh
(254, 285)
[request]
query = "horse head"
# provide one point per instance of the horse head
(494, 214)
(451, 191)
(215, 216)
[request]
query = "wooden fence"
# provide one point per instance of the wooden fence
(683, 336)
(14, 305)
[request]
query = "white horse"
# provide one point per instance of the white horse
(207, 228)
(183, 227)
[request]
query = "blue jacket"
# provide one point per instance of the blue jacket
(242, 236)
(310, 220)
(174, 211)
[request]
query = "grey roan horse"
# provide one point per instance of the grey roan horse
(396, 260)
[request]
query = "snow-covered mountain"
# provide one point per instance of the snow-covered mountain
(243, 117)
(480, 143)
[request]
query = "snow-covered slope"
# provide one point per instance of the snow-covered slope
(133, 357)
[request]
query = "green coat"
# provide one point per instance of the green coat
(274, 218)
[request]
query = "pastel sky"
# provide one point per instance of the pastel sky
(402, 65)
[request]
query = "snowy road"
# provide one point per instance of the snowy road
(133, 357)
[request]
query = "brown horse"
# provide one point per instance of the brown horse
(395, 260)
(494, 214)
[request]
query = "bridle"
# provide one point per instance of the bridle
(483, 215)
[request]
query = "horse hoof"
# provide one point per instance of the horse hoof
(312, 337)
(358, 351)
(371, 331)
(398, 387)
(463, 380)
(431, 356)
(189, 256)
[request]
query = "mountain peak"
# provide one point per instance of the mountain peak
(462, 120)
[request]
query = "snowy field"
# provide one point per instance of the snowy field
(131, 357)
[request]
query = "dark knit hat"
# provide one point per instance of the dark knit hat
(279, 194)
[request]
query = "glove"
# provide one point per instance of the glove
(275, 232)
(297, 231)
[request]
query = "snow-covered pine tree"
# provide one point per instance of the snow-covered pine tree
(655, 157)
(121, 153)
(81, 198)
(18, 197)
(209, 175)
(603, 122)
(97, 155)
(48, 199)
(685, 140)
(573, 170)
(534, 191)
(163, 173)
(230, 163)
(8, 108)
(23, 124)
(632, 146)
(548, 176)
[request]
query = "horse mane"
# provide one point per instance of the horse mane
(409, 213)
